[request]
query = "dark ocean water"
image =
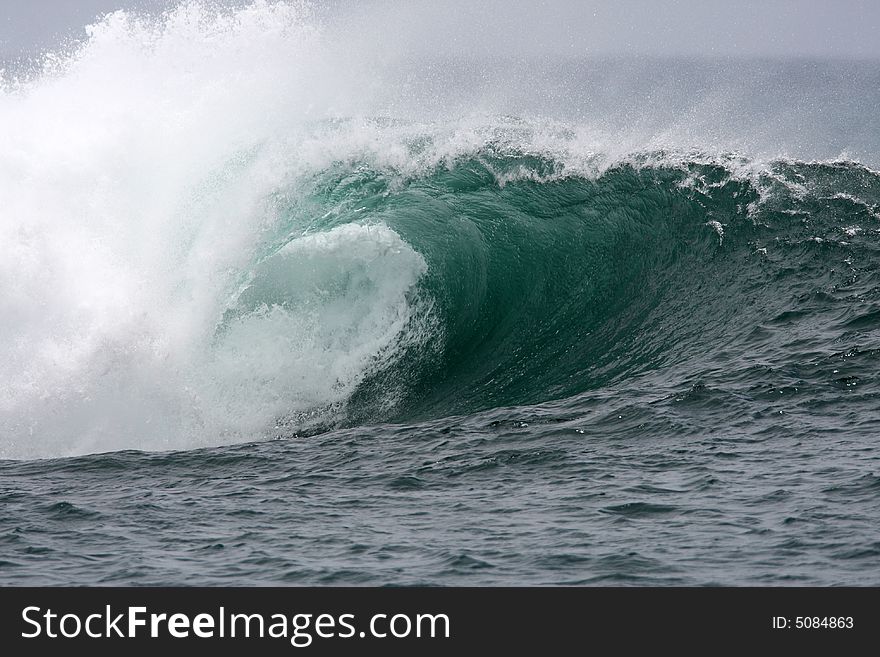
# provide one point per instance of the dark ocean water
(609, 323)
(481, 500)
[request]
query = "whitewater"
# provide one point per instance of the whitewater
(280, 305)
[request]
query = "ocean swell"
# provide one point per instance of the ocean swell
(222, 226)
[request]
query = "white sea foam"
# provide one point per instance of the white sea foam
(134, 174)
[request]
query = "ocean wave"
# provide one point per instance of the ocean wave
(218, 227)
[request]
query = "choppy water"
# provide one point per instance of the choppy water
(258, 328)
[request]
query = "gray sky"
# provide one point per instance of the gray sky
(773, 28)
